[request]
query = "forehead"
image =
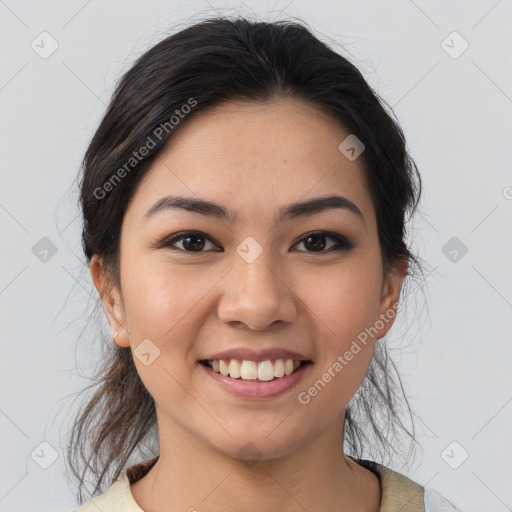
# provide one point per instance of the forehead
(254, 158)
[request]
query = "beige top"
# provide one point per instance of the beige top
(398, 493)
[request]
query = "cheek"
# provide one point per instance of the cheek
(345, 348)
(158, 300)
(160, 306)
(343, 303)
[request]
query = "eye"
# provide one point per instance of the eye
(193, 241)
(316, 240)
(196, 241)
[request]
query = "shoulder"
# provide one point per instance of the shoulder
(118, 497)
(106, 502)
(434, 502)
(399, 492)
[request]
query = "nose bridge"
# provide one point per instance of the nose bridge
(255, 268)
(255, 293)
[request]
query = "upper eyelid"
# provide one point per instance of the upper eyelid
(177, 237)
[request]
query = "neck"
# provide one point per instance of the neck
(192, 475)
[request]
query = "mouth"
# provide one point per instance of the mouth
(251, 380)
(263, 371)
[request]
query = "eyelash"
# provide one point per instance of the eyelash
(342, 243)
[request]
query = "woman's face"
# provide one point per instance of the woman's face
(256, 282)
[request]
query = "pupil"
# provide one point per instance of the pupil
(313, 237)
(199, 244)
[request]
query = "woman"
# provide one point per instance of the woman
(244, 202)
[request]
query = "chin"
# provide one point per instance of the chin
(258, 446)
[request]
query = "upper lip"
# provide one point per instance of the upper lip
(257, 355)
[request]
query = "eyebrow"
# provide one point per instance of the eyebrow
(291, 211)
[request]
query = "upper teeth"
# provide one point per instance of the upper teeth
(250, 370)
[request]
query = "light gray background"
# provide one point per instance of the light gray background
(455, 359)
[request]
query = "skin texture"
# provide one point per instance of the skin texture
(254, 159)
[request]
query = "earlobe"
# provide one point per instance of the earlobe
(114, 312)
(121, 339)
(115, 318)
(111, 302)
(117, 323)
(389, 298)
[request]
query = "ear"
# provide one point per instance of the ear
(390, 293)
(112, 303)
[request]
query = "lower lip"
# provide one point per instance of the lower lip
(258, 389)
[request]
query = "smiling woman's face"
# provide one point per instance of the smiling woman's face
(256, 282)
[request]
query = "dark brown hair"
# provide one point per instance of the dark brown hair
(210, 62)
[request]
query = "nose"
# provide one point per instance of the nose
(257, 295)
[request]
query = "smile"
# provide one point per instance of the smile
(252, 370)
(245, 381)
